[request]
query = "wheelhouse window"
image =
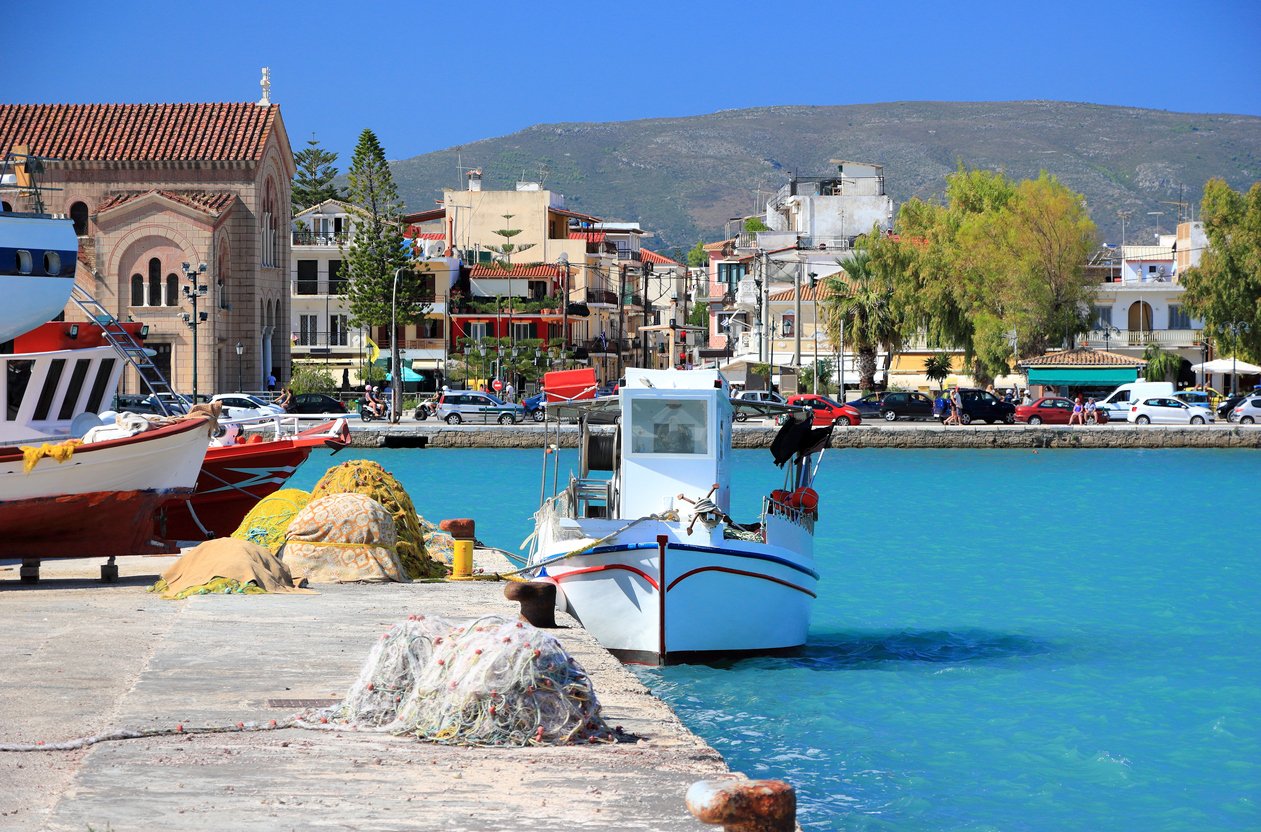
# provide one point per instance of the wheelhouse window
(669, 427)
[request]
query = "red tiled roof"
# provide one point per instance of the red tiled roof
(412, 234)
(817, 292)
(718, 246)
(589, 236)
(1083, 357)
(655, 258)
(534, 270)
(138, 132)
(213, 202)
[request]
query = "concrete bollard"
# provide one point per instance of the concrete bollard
(537, 599)
(744, 805)
(462, 531)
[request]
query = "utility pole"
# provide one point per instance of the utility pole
(647, 270)
(797, 315)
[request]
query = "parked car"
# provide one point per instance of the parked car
(1118, 402)
(1198, 398)
(756, 397)
(316, 403)
(1229, 404)
(827, 411)
(1248, 411)
(135, 403)
(456, 406)
(1054, 410)
(1166, 410)
(981, 406)
(868, 406)
(534, 407)
(245, 406)
(897, 405)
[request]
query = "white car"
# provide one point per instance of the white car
(244, 406)
(1166, 410)
(1247, 412)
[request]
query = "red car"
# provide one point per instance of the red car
(827, 411)
(1054, 410)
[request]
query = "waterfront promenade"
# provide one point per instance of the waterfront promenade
(82, 657)
(868, 435)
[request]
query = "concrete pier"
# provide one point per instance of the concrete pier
(80, 657)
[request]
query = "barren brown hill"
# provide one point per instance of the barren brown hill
(681, 178)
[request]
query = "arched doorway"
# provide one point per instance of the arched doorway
(1139, 322)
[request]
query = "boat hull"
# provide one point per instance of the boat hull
(234, 478)
(102, 500)
(705, 601)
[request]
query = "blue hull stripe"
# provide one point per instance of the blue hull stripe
(709, 550)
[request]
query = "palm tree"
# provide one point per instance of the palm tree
(860, 307)
(1161, 365)
(938, 366)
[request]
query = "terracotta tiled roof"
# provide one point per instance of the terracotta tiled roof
(718, 246)
(658, 259)
(535, 270)
(412, 234)
(139, 132)
(818, 292)
(212, 202)
(589, 236)
(1082, 357)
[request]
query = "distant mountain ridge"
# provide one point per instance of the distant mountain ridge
(681, 178)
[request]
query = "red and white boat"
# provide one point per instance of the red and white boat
(236, 474)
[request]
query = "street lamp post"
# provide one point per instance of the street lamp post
(396, 387)
(1235, 328)
(240, 351)
(194, 292)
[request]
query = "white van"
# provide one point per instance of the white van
(1118, 402)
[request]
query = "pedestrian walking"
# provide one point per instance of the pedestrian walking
(956, 407)
(271, 381)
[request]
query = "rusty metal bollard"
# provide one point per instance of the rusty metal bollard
(744, 805)
(537, 599)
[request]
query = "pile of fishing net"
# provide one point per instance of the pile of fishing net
(268, 522)
(343, 537)
(363, 476)
(488, 681)
(225, 566)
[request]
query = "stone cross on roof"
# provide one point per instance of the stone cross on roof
(265, 83)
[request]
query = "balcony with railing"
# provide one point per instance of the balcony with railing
(320, 238)
(1115, 338)
(318, 288)
(598, 297)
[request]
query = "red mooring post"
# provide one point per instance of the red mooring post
(744, 805)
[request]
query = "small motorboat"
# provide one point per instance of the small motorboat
(642, 543)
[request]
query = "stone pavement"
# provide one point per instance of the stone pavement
(80, 657)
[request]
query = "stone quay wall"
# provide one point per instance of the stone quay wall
(994, 437)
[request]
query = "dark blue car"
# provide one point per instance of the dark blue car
(534, 407)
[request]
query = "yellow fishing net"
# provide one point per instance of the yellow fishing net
(362, 476)
(60, 451)
(267, 521)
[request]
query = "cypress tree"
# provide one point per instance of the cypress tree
(376, 252)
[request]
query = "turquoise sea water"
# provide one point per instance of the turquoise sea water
(1004, 640)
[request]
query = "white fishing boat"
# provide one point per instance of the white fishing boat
(642, 544)
(71, 486)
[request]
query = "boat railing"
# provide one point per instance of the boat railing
(793, 514)
(279, 426)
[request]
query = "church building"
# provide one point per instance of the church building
(157, 190)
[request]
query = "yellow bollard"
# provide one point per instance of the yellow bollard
(462, 560)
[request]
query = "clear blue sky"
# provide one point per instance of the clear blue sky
(426, 76)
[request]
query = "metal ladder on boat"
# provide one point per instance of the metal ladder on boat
(128, 347)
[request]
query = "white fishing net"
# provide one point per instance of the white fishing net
(486, 681)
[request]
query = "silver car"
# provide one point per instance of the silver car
(456, 406)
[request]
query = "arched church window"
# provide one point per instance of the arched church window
(270, 237)
(172, 290)
(155, 282)
(79, 213)
(137, 290)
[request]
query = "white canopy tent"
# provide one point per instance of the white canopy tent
(1227, 367)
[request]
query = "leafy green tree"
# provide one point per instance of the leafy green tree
(376, 261)
(697, 256)
(753, 225)
(698, 315)
(313, 180)
(1225, 289)
(1000, 257)
(312, 380)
